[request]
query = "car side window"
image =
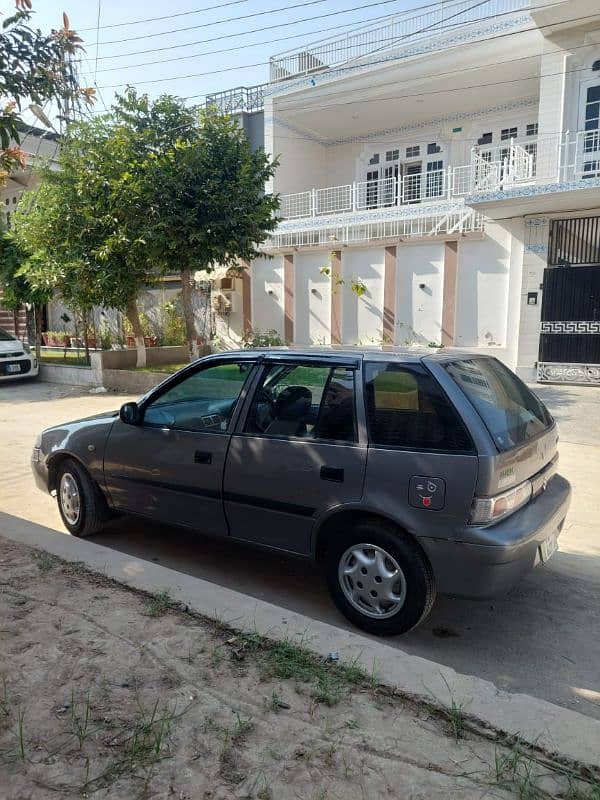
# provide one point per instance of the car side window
(304, 401)
(406, 408)
(203, 401)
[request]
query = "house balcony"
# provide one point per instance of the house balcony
(555, 173)
(418, 205)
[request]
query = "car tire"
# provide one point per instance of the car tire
(379, 579)
(81, 504)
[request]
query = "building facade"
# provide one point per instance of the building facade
(440, 184)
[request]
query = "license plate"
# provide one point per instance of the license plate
(548, 547)
(12, 368)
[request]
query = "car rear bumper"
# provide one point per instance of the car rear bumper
(506, 551)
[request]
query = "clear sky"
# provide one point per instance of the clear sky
(215, 48)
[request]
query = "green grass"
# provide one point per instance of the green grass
(166, 369)
(72, 358)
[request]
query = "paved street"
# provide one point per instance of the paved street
(544, 639)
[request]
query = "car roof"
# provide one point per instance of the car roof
(385, 353)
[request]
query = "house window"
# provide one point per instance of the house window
(413, 152)
(508, 133)
(433, 148)
(591, 142)
(392, 155)
(485, 138)
(434, 185)
(532, 130)
(596, 66)
(374, 159)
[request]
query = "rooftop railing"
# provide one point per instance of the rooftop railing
(406, 28)
(242, 98)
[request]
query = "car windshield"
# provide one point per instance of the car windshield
(5, 336)
(511, 412)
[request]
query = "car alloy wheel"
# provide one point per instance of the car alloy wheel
(70, 500)
(372, 580)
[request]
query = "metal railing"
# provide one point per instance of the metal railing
(460, 221)
(405, 28)
(242, 98)
(367, 195)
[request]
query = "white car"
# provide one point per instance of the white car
(16, 358)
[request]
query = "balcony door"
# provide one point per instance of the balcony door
(411, 182)
(590, 163)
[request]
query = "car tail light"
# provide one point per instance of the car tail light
(492, 509)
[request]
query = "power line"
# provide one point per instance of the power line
(226, 49)
(338, 69)
(97, 37)
(167, 16)
(219, 22)
(260, 30)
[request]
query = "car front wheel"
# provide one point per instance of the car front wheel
(80, 502)
(379, 579)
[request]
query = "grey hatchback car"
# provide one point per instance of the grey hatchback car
(409, 472)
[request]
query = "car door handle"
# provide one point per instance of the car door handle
(202, 457)
(332, 474)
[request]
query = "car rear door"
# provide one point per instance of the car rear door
(170, 467)
(298, 452)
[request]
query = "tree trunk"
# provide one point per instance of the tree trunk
(38, 312)
(187, 302)
(84, 321)
(133, 315)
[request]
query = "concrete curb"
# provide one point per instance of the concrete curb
(556, 729)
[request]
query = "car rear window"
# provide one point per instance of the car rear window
(511, 412)
(406, 408)
(5, 336)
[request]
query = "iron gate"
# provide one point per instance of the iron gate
(570, 329)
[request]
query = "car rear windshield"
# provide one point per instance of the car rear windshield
(5, 336)
(511, 412)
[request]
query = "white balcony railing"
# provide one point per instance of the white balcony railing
(562, 158)
(399, 29)
(367, 195)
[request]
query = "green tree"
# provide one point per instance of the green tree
(213, 209)
(83, 224)
(17, 290)
(34, 68)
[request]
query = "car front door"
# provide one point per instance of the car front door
(170, 467)
(297, 453)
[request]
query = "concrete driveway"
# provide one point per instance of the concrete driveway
(543, 639)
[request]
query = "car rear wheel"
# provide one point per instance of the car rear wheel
(82, 507)
(379, 579)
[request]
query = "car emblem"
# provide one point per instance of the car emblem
(544, 484)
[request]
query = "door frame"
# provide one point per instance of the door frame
(269, 359)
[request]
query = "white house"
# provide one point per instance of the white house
(440, 183)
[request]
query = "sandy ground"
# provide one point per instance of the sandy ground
(107, 693)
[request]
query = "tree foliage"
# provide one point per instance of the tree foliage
(152, 188)
(34, 67)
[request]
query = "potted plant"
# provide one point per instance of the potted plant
(92, 342)
(46, 338)
(62, 339)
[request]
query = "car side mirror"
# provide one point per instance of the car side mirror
(130, 414)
